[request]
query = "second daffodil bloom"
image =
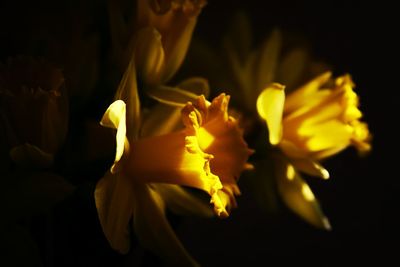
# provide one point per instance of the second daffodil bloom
(33, 110)
(313, 122)
(208, 153)
(164, 38)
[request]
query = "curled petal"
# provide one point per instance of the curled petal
(115, 117)
(270, 105)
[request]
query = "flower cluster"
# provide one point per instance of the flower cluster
(160, 147)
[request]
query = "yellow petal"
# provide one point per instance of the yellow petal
(328, 135)
(183, 202)
(298, 196)
(310, 167)
(128, 92)
(114, 203)
(270, 105)
(115, 117)
(153, 229)
(299, 97)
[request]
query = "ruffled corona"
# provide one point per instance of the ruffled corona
(219, 134)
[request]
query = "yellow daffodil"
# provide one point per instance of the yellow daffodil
(33, 109)
(161, 37)
(307, 124)
(313, 122)
(168, 28)
(135, 186)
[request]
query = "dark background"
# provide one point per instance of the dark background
(352, 36)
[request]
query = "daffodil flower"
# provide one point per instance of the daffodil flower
(312, 123)
(33, 110)
(161, 36)
(307, 124)
(136, 187)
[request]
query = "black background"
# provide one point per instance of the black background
(352, 36)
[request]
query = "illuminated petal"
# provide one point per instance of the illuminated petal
(153, 230)
(299, 97)
(128, 92)
(298, 196)
(175, 158)
(172, 96)
(114, 203)
(115, 117)
(310, 167)
(221, 136)
(182, 201)
(228, 198)
(330, 134)
(268, 60)
(270, 105)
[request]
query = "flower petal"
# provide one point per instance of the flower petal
(182, 201)
(161, 119)
(128, 92)
(115, 117)
(310, 167)
(153, 230)
(298, 196)
(114, 203)
(270, 105)
(298, 98)
(149, 55)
